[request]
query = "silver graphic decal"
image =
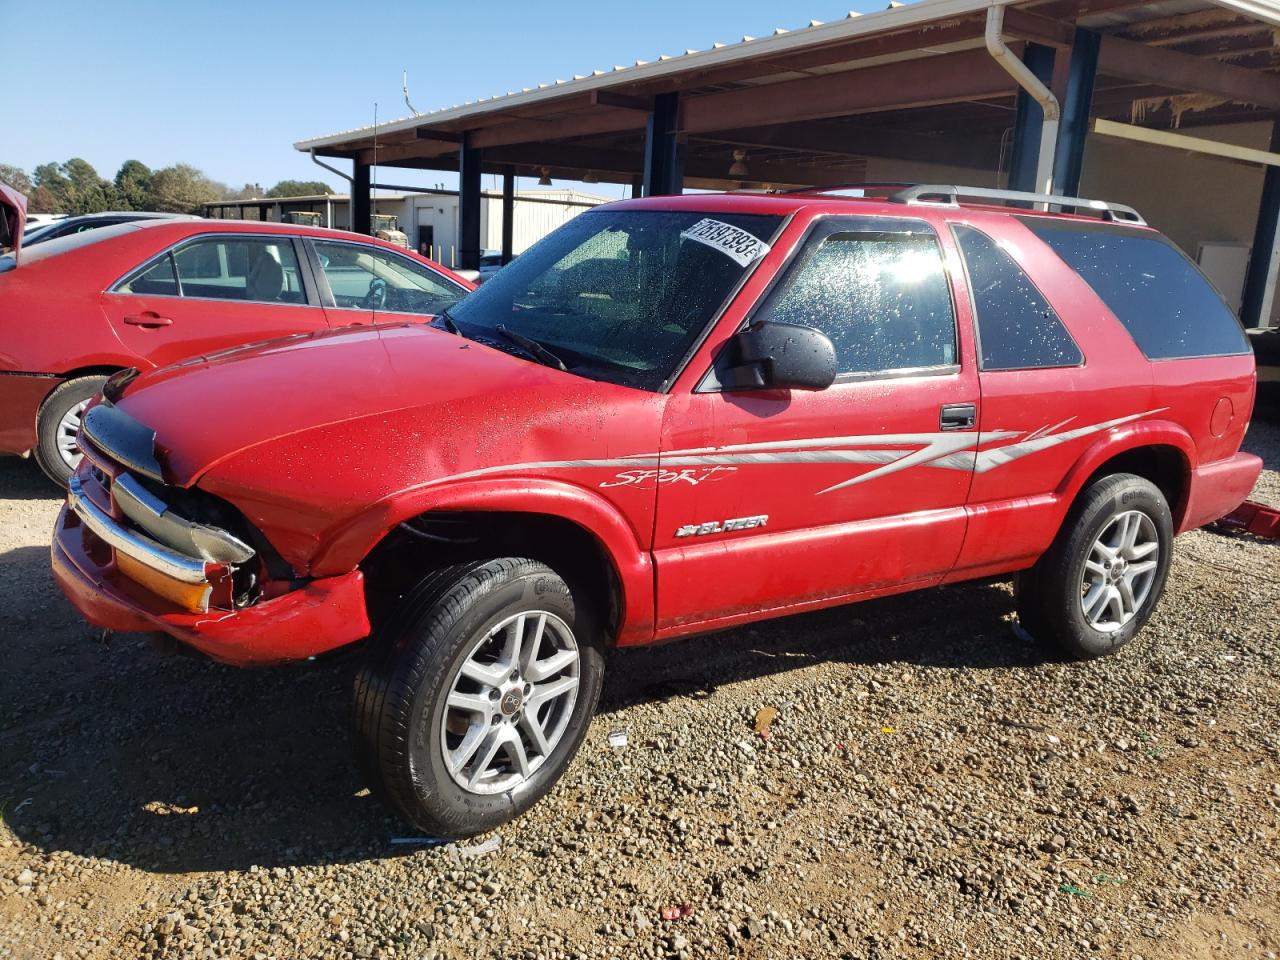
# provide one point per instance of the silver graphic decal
(888, 453)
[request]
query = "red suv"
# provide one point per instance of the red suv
(672, 415)
(75, 309)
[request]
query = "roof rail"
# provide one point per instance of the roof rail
(886, 185)
(949, 195)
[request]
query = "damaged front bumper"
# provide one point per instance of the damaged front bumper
(120, 577)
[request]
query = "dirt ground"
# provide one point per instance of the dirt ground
(932, 786)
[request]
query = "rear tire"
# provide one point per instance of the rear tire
(460, 727)
(1099, 582)
(56, 423)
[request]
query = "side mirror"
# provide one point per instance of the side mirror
(779, 355)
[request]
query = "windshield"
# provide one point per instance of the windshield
(72, 241)
(620, 295)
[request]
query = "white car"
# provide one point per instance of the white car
(40, 219)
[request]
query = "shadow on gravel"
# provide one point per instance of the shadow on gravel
(175, 764)
(22, 480)
(960, 626)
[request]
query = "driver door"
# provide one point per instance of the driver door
(362, 283)
(786, 499)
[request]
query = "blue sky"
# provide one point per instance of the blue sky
(229, 85)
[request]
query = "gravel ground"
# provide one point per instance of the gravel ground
(931, 786)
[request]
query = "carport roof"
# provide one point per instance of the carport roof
(1171, 62)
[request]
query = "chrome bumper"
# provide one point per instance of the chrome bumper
(143, 549)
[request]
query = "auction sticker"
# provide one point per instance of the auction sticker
(728, 239)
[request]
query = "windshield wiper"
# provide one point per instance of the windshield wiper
(448, 321)
(531, 347)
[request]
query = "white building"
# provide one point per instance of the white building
(429, 219)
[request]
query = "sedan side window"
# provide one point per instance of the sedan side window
(366, 278)
(884, 299)
(255, 269)
(157, 280)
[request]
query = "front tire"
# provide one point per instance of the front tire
(57, 451)
(1099, 582)
(476, 694)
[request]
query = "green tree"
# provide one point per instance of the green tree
(181, 188)
(89, 192)
(17, 178)
(133, 185)
(54, 188)
(298, 188)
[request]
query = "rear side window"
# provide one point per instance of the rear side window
(882, 298)
(160, 279)
(240, 268)
(1160, 296)
(1017, 329)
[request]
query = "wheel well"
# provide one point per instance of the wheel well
(98, 371)
(1163, 465)
(440, 538)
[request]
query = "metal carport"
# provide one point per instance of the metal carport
(966, 84)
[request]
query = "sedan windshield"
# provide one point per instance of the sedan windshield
(619, 295)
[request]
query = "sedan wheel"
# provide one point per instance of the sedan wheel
(68, 427)
(57, 450)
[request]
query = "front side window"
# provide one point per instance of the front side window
(1155, 291)
(619, 295)
(1017, 329)
(365, 278)
(884, 299)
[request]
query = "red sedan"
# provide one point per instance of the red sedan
(144, 294)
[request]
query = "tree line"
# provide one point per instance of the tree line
(75, 187)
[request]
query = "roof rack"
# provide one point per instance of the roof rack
(950, 195)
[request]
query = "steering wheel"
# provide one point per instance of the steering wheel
(376, 298)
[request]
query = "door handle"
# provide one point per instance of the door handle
(147, 319)
(958, 416)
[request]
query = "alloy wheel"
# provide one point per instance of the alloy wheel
(1120, 571)
(510, 702)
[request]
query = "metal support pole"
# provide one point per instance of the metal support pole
(1264, 262)
(663, 163)
(508, 212)
(360, 207)
(468, 205)
(1028, 123)
(1076, 109)
(637, 187)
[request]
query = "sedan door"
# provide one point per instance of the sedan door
(212, 292)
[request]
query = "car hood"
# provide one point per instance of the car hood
(403, 384)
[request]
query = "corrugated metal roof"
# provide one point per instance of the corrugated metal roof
(923, 15)
(782, 41)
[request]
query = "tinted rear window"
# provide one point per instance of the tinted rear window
(1017, 329)
(1160, 296)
